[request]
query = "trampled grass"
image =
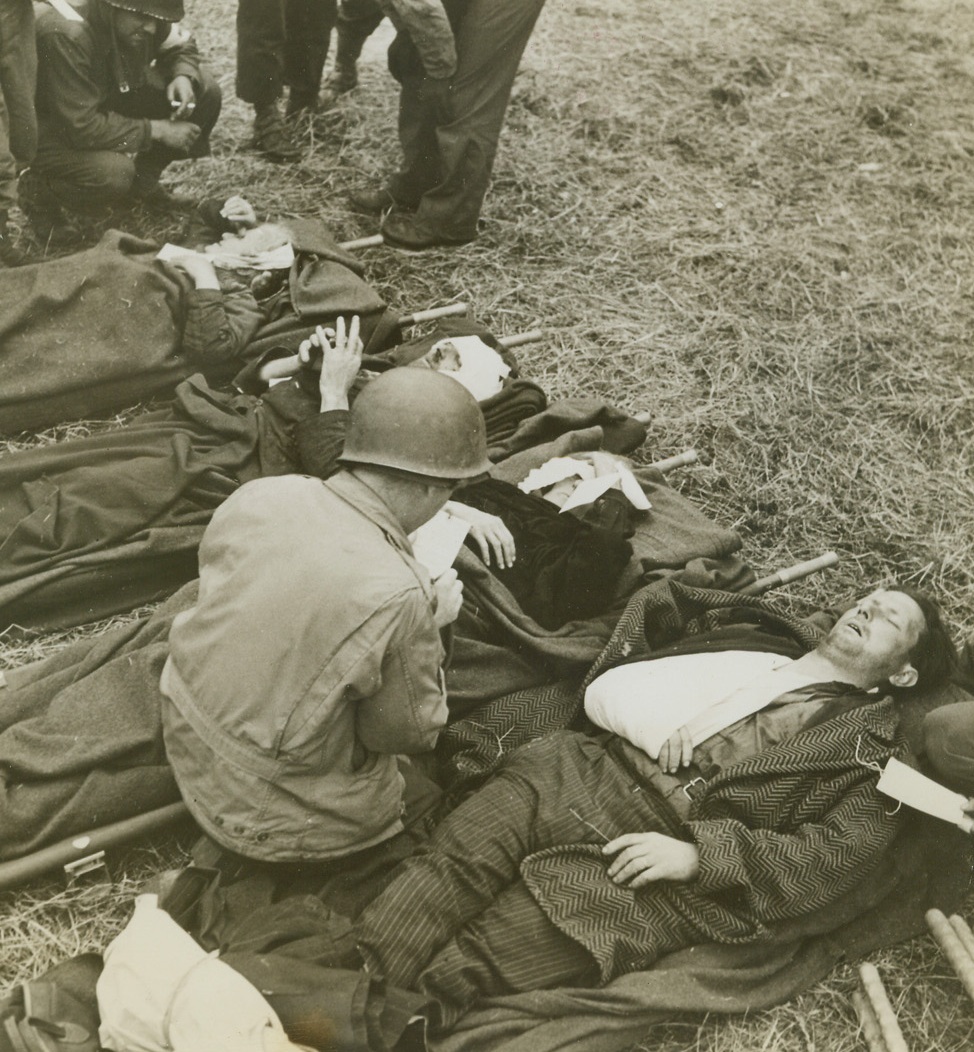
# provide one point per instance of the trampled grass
(754, 221)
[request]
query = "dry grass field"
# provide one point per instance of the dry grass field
(755, 221)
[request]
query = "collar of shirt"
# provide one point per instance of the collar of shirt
(365, 500)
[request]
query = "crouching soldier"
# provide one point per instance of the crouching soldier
(313, 656)
(120, 94)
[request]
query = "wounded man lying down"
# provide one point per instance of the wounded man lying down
(585, 857)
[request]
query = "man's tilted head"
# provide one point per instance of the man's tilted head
(892, 636)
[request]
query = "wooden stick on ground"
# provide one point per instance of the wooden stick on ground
(869, 1023)
(954, 950)
(791, 573)
(521, 338)
(451, 310)
(879, 1001)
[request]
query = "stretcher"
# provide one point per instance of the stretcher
(85, 852)
(281, 368)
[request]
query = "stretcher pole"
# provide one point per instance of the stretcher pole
(77, 849)
(680, 460)
(869, 1023)
(372, 241)
(889, 1027)
(520, 339)
(963, 932)
(954, 949)
(791, 573)
(451, 310)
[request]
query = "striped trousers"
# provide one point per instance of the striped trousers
(457, 923)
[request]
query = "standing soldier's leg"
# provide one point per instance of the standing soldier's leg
(308, 25)
(465, 116)
(357, 21)
(260, 74)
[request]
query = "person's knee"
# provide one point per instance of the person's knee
(98, 177)
(948, 742)
(112, 174)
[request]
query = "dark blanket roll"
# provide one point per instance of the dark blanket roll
(566, 569)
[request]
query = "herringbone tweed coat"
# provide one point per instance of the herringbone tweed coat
(783, 834)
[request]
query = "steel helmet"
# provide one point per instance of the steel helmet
(161, 10)
(419, 421)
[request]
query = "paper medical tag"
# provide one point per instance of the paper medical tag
(437, 543)
(903, 783)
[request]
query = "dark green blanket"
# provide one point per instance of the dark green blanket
(90, 332)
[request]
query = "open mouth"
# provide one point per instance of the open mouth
(855, 626)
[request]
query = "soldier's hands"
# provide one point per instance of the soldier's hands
(182, 97)
(175, 135)
(449, 598)
(642, 858)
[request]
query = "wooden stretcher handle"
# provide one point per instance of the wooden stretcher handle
(372, 241)
(963, 932)
(879, 1000)
(869, 1023)
(451, 310)
(19, 870)
(954, 950)
(519, 339)
(680, 460)
(791, 573)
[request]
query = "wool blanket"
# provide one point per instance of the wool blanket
(81, 734)
(75, 331)
(93, 527)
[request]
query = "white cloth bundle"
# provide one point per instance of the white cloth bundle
(161, 992)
